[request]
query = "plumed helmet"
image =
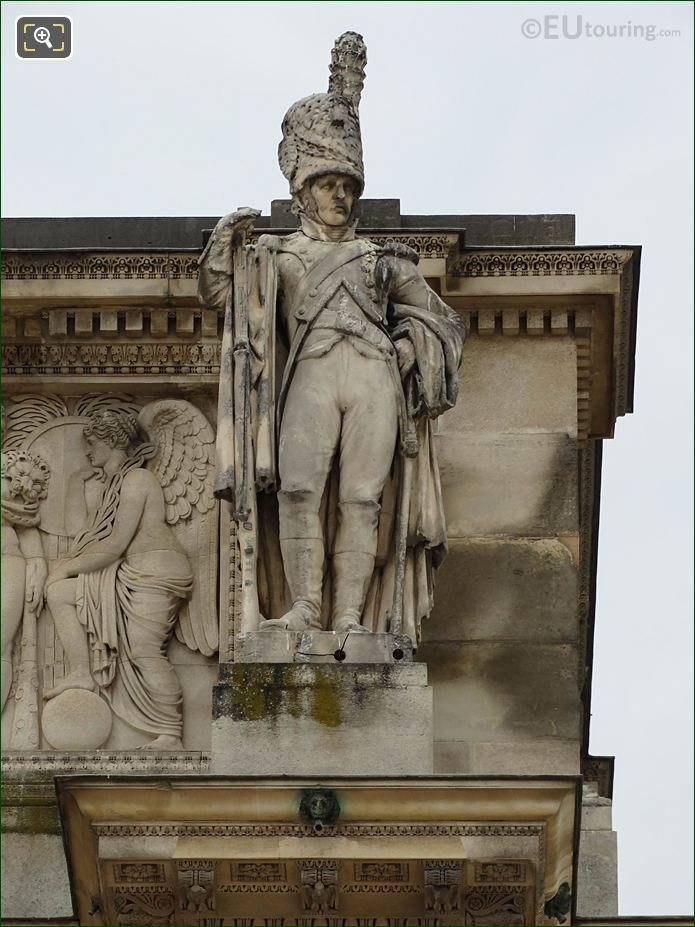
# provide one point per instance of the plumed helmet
(321, 133)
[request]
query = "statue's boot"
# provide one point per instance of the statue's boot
(353, 563)
(352, 574)
(303, 562)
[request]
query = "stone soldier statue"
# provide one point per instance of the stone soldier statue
(340, 349)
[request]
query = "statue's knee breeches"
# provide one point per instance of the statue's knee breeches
(310, 428)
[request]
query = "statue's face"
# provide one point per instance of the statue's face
(334, 195)
(96, 450)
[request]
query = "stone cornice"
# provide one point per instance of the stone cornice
(118, 264)
(119, 313)
(407, 819)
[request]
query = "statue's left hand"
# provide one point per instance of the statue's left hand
(405, 353)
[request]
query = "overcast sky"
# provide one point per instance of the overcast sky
(174, 109)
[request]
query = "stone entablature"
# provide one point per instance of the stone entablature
(125, 314)
(375, 852)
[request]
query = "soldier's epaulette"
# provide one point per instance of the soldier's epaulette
(397, 249)
(271, 242)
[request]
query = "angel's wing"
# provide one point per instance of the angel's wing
(184, 465)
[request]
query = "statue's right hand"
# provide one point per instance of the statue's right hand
(239, 219)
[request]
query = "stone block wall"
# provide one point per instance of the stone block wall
(501, 644)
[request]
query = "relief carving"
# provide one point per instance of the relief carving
(126, 873)
(502, 906)
(381, 872)
(149, 907)
(25, 480)
(319, 885)
(443, 886)
(197, 885)
(259, 872)
(129, 528)
(500, 872)
(329, 891)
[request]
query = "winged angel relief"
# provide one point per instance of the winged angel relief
(141, 562)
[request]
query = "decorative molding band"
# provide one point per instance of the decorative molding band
(444, 245)
(100, 266)
(308, 830)
(183, 265)
(110, 359)
(539, 263)
(20, 765)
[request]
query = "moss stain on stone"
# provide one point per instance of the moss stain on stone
(325, 708)
(276, 691)
(31, 819)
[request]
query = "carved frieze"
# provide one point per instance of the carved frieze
(539, 262)
(320, 891)
(110, 598)
(183, 265)
(110, 359)
(104, 266)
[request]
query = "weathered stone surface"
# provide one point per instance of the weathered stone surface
(528, 385)
(273, 719)
(507, 484)
(547, 756)
(34, 877)
(523, 590)
(597, 874)
(503, 692)
(598, 817)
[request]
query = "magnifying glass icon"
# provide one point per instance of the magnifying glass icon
(42, 35)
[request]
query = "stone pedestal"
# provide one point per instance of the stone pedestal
(322, 647)
(320, 720)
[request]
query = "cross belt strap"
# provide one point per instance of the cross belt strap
(339, 256)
